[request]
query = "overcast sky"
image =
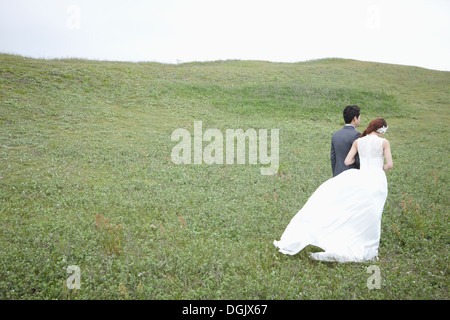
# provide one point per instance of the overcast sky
(409, 32)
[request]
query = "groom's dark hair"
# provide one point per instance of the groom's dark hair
(350, 112)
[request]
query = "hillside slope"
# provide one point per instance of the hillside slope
(85, 141)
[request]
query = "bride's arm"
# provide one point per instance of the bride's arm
(387, 155)
(351, 154)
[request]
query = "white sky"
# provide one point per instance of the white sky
(409, 32)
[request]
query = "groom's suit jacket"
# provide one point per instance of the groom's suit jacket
(341, 143)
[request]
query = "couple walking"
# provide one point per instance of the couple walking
(343, 215)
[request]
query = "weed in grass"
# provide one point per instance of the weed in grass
(111, 236)
(123, 291)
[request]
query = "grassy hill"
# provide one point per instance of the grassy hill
(86, 179)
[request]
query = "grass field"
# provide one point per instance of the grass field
(86, 179)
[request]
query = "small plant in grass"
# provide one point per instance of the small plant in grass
(111, 236)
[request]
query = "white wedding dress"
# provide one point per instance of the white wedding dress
(343, 216)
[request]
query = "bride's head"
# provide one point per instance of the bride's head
(378, 125)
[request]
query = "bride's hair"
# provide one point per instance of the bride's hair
(374, 125)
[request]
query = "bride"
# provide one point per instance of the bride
(343, 216)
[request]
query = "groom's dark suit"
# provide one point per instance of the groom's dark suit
(341, 143)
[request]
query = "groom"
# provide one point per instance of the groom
(342, 141)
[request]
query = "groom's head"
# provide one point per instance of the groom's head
(351, 114)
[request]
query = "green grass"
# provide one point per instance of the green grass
(84, 138)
